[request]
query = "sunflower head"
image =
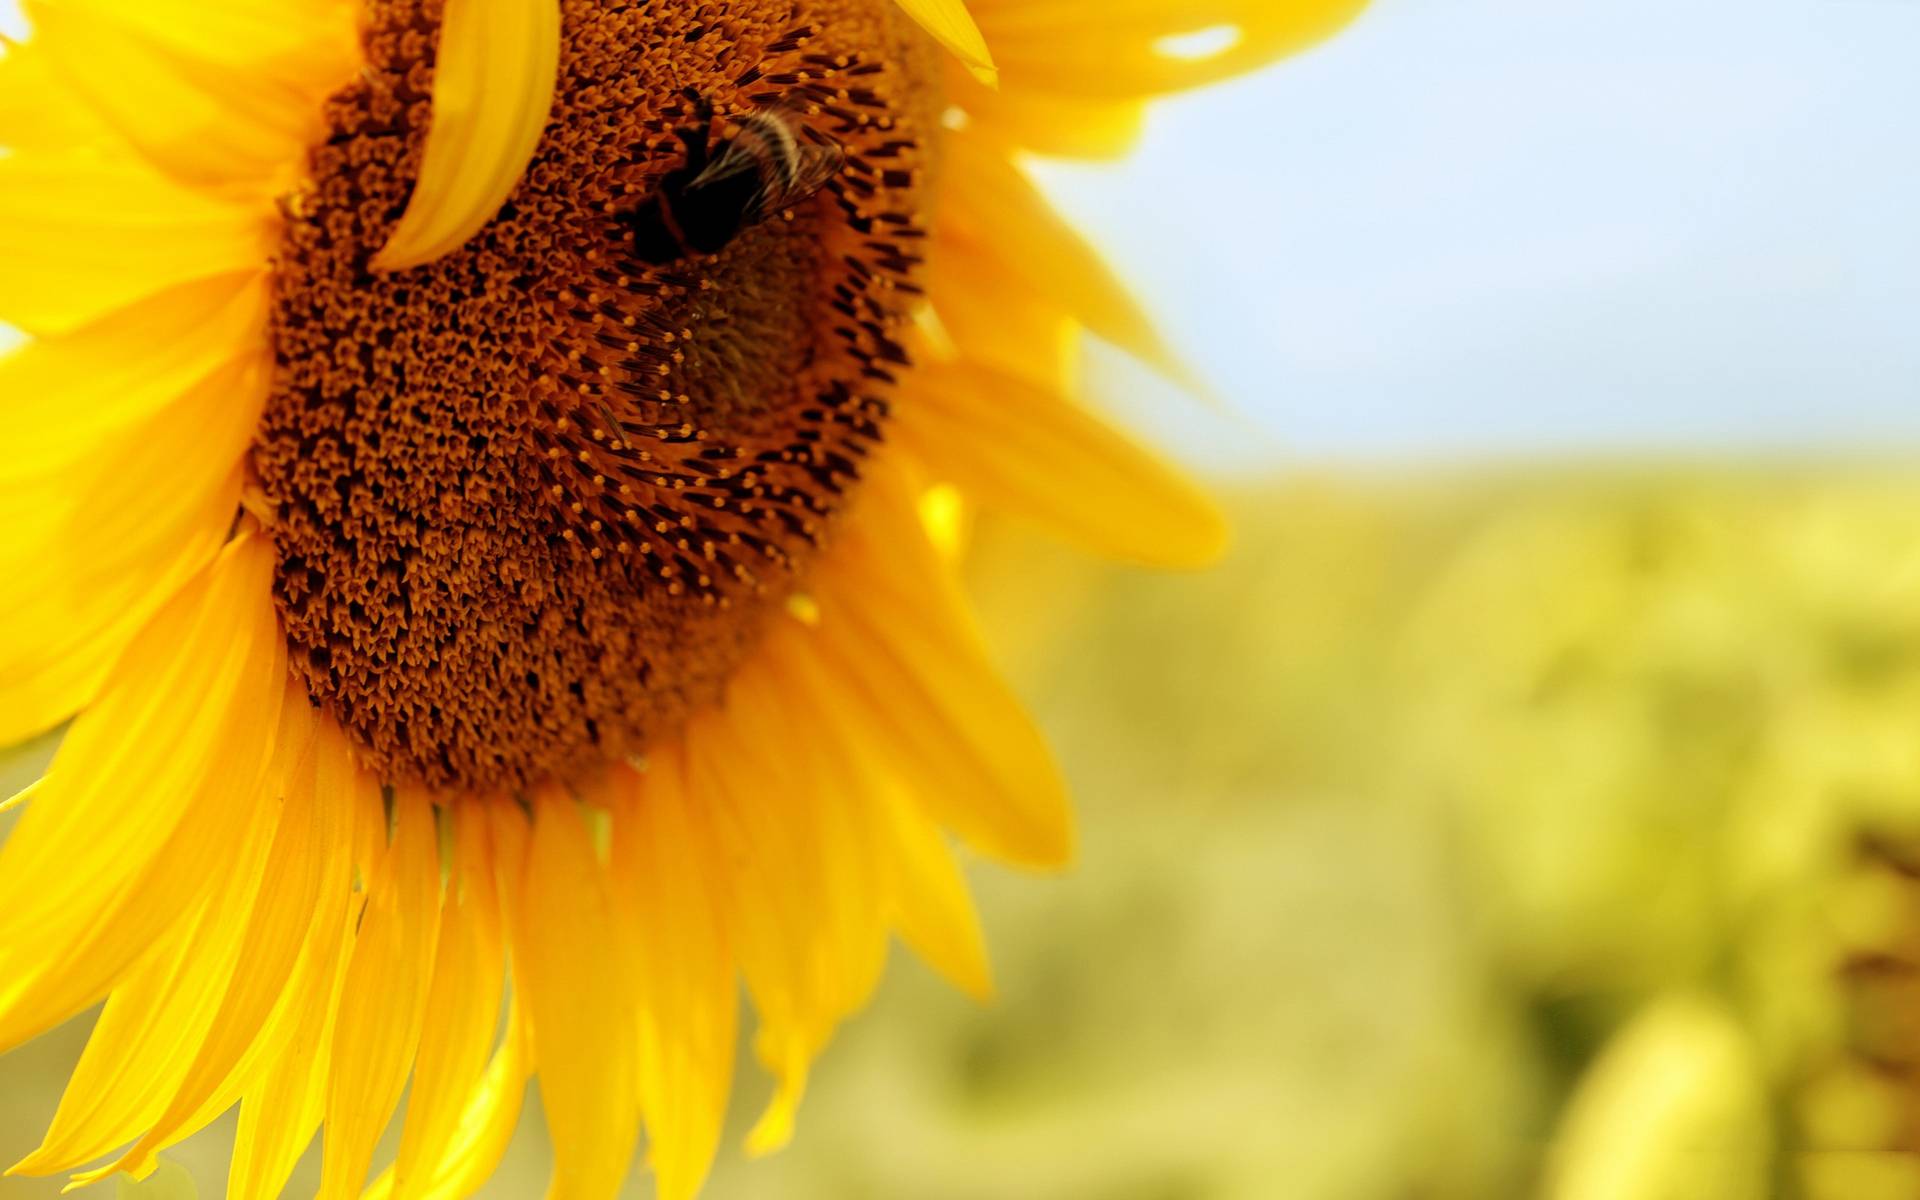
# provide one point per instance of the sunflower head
(531, 501)
(472, 461)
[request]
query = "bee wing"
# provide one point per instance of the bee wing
(811, 165)
(731, 161)
(817, 165)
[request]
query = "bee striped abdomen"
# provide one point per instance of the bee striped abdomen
(702, 206)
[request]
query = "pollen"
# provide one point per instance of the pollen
(534, 501)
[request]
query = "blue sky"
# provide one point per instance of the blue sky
(1511, 227)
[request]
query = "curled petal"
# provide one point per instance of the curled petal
(492, 88)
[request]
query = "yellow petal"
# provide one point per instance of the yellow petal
(122, 442)
(929, 900)
(952, 26)
(284, 1080)
(775, 895)
(667, 878)
(922, 892)
(285, 1099)
(65, 395)
(1022, 448)
(204, 122)
(991, 212)
(85, 235)
(110, 537)
(486, 1124)
(566, 969)
(463, 1008)
(383, 1006)
(1047, 123)
(799, 844)
(1138, 48)
(978, 318)
(89, 881)
(92, 1119)
(150, 1033)
(308, 43)
(788, 1052)
(310, 865)
(492, 88)
(912, 674)
(825, 824)
(28, 121)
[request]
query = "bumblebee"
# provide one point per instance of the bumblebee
(770, 164)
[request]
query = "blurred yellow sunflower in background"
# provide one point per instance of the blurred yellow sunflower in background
(481, 488)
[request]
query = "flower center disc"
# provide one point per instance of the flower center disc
(532, 501)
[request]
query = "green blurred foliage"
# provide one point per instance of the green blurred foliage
(1460, 838)
(169, 1181)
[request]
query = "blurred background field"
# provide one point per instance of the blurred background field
(1466, 836)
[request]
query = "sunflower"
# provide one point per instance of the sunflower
(482, 489)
